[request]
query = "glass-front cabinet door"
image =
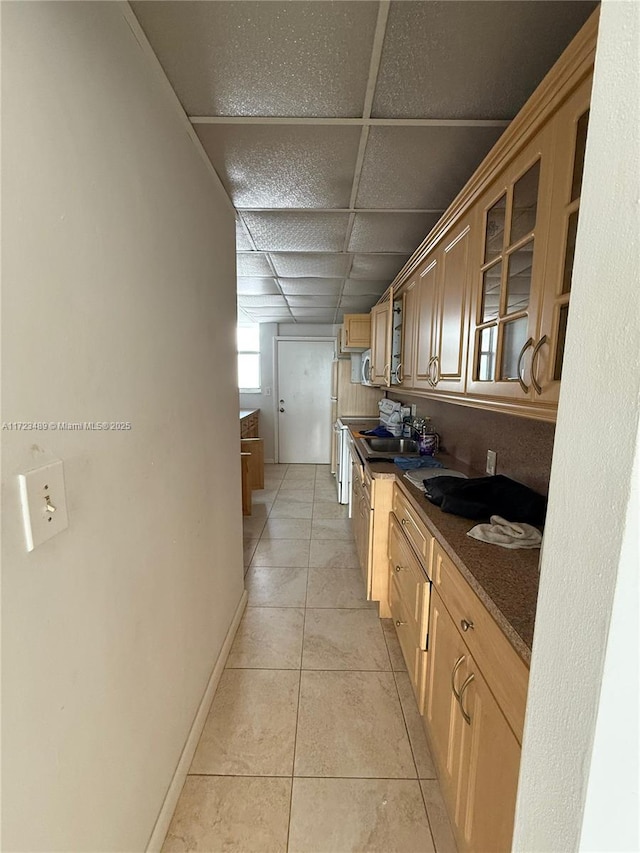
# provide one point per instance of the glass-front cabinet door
(509, 280)
(570, 125)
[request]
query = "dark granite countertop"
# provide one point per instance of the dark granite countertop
(505, 580)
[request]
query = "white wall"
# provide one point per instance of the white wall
(119, 304)
(585, 653)
(264, 400)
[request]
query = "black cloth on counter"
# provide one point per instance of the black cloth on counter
(481, 497)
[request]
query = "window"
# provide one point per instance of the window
(249, 358)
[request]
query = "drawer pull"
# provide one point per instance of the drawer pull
(456, 667)
(399, 624)
(465, 624)
(465, 684)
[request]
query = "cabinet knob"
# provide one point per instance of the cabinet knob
(399, 624)
(465, 624)
(398, 568)
(404, 522)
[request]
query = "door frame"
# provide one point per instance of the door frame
(276, 378)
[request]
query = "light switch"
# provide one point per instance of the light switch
(44, 503)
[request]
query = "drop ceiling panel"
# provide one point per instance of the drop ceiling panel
(310, 286)
(250, 302)
(297, 232)
(243, 244)
(384, 267)
(257, 286)
(470, 58)
(263, 59)
(318, 316)
(390, 232)
(358, 304)
(253, 264)
(283, 166)
(421, 167)
(305, 264)
(365, 288)
(318, 300)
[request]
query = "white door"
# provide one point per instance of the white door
(304, 401)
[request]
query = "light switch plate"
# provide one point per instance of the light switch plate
(44, 503)
(492, 462)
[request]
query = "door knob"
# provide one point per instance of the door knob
(281, 409)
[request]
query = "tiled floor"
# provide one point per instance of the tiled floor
(313, 742)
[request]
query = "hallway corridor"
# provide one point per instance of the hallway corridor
(313, 742)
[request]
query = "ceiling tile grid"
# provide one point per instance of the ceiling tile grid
(342, 131)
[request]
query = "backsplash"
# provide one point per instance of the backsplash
(524, 446)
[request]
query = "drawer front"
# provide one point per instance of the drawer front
(415, 657)
(411, 582)
(505, 672)
(414, 529)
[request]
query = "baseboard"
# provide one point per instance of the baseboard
(269, 461)
(175, 788)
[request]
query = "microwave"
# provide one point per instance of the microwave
(366, 368)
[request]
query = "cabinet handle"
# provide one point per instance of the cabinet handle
(404, 522)
(387, 378)
(523, 384)
(346, 336)
(399, 624)
(534, 364)
(430, 371)
(370, 373)
(456, 667)
(465, 684)
(465, 624)
(398, 373)
(436, 370)
(398, 568)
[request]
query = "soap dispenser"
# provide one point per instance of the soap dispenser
(428, 442)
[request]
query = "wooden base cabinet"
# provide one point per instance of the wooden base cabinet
(475, 750)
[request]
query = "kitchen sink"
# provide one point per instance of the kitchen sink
(396, 446)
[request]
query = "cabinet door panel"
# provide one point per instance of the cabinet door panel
(409, 312)
(380, 343)
(491, 756)
(570, 124)
(451, 326)
(425, 315)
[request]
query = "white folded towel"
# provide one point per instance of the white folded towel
(508, 534)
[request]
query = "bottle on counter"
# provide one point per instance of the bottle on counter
(429, 440)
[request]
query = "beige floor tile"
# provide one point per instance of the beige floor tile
(415, 727)
(350, 724)
(338, 554)
(303, 485)
(329, 509)
(248, 547)
(332, 528)
(337, 588)
(438, 819)
(264, 496)
(253, 525)
(276, 587)
(282, 552)
(287, 528)
(376, 815)
(393, 646)
(344, 639)
(299, 471)
(295, 495)
(284, 508)
(272, 483)
(327, 495)
(251, 728)
(234, 815)
(273, 469)
(268, 638)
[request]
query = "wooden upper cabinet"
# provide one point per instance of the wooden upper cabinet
(424, 323)
(450, 332)
(381, 332)
(570, 131)
(509, 275)
(356, 332)
(406, 368)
